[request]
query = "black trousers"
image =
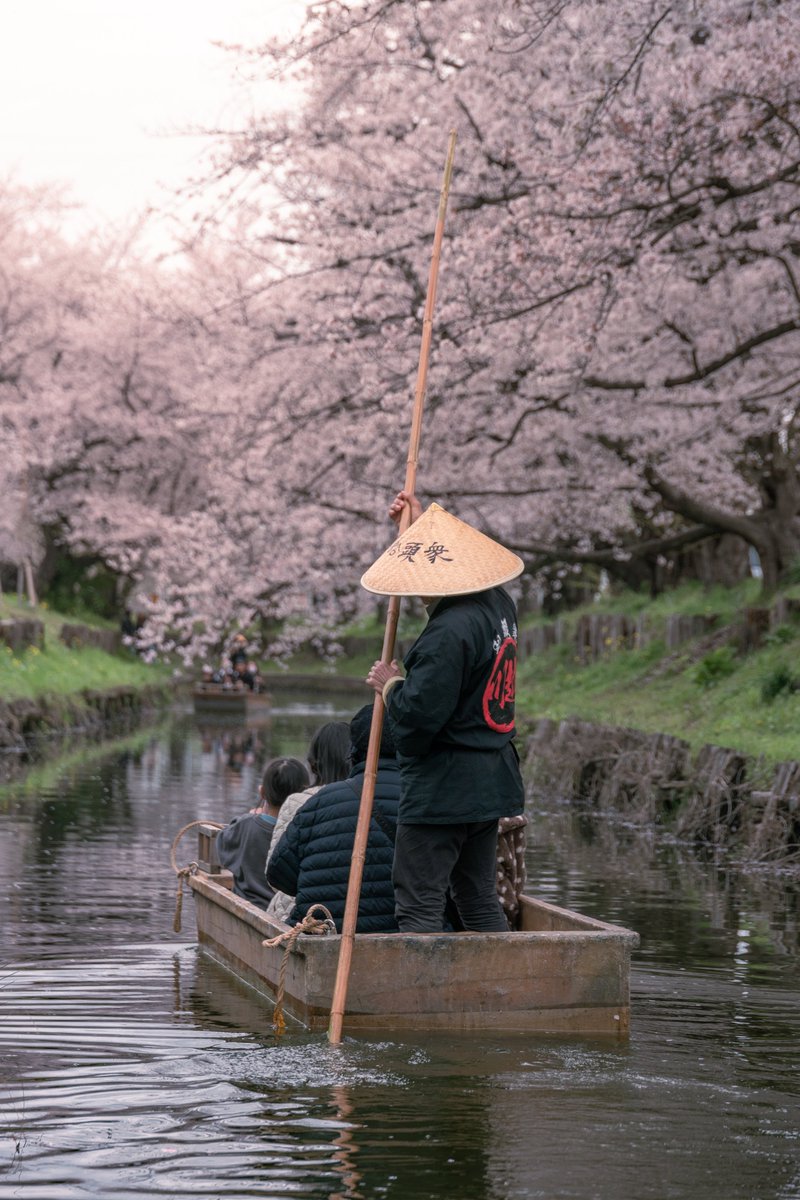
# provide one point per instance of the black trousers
(430, 859)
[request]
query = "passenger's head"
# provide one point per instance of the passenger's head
(329, 752)
(282, 777)
(359, 736)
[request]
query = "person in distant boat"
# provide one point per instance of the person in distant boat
(224, 673)
(243, 845)
(312, 860)
(241, 672)
(328, 761)
(238, 652)
(255, 681)
(451, 717)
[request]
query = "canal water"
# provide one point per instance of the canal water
(133, 1069)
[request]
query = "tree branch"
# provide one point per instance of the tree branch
(616, 554)
(700, 373)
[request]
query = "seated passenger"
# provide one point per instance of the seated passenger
(255, 682)
(312, 860)
(329, 761)
(224, 673)
(242, 845)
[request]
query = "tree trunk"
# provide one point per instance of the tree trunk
(773, 531)
(778, 549)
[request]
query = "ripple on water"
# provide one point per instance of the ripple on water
(132, 1069)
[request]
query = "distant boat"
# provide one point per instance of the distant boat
(214, 698)
(562, 973)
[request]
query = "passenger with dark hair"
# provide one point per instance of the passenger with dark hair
(312, 860)
(242, 846)
(329, 761)
(329, 753)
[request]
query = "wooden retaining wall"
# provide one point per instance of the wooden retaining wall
(717, 797)
(20, 634)
(595, 636)
(75, 636)
(28, 726)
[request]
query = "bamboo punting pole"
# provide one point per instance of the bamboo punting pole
(373, 749)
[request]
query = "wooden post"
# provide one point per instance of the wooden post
(390, 633)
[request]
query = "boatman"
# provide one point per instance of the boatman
(451, 717)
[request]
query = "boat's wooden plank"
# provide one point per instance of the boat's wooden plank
(478, 973)
(210, 699)
(611, 1020)
(539, 915)
(530, 980)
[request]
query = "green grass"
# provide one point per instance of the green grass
(60, 671)
(687, 600)
(682, 695)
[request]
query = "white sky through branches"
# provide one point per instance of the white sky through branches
(94, 94)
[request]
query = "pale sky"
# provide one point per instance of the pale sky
(90, 90)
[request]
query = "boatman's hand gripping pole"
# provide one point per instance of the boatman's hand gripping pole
(373, 749)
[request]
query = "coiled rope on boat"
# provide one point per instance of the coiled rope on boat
(184, 872)
(309, 924)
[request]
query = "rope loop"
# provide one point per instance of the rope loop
(183, 873)
(310, 924)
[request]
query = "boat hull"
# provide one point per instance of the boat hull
(563, 973)
(216, 701)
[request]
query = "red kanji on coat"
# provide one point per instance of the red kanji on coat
(498, 696)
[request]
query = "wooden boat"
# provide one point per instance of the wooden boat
(562, 973)
(214, 698)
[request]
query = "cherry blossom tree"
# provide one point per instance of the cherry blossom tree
(615, 363)
(137, 432)
(615, 368)
(39, 286)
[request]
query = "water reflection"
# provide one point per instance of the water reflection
(134, 1068)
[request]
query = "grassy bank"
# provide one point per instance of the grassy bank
(60, 671)
(702, 694)
(698, 693)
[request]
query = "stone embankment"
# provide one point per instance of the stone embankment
(715, 798)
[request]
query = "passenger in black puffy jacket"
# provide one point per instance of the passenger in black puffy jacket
(312, 860)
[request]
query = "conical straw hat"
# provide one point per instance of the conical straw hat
(441, 556)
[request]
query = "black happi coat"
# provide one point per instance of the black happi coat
(452, 717)
(312, 860)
